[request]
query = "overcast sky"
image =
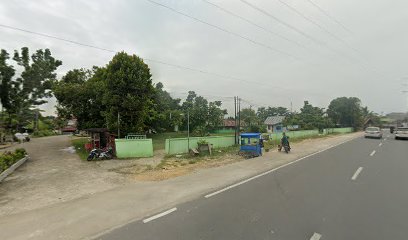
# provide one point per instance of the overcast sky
(294, 54)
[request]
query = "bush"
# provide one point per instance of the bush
(8, 158)
(202, 142)
(43, 133)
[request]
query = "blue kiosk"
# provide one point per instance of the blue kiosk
(251, 145)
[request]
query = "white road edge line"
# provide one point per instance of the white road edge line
(273, 170)
(316, 236)
(372, 153)
(355, 176)
(159, 215)
(380, 144)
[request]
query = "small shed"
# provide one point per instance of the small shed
(274, 124)
(100, 138)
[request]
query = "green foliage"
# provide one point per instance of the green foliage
(204, 115)
(258, 128)
(8, 158)
(263, 113)
(166, 112)
(346, 112)
(19, 94)
(128, 92)
(200, 131)
(43, 133)
(310, 117)
(202, 142)
(79, 145)
(96, 98)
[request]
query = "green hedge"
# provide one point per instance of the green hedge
(8, 158)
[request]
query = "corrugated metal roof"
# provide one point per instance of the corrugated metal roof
(273, 120)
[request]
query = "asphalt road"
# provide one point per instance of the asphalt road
(347, 192)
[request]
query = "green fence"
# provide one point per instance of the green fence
(343, 130)
(180, 145)
(130, 148)
(275, 137)
(224, 131)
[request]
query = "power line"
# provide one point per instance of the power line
(293, 9)
(54, 37)
(282, 22)
(330, 17)
(253, 83)
(224, 30)
(365, 66)
(253, 23)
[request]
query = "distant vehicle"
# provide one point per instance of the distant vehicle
(401, 132)
(373, 132)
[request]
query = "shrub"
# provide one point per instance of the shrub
(43, 133)
(8, 158)
(202, 142)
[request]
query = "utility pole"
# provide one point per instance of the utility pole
(118, 125)
(235, 120)
(188, 130)
(239, 115)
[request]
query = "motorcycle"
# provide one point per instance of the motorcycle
(286, 148)
(100, 154)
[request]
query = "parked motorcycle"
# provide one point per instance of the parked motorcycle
(100, 154)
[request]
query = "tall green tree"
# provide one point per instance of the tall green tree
(79, 94)
(7, 72)
(129, 93)
(346, 112)
(311, 117)
(32, 88)
(204, 115)
(263, 112)
(166, 113)
(249, 117)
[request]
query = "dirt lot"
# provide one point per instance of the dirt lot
(54, 174)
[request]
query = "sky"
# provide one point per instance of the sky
(267, 52)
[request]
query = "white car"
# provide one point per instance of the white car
(373, 132)
(401, 132)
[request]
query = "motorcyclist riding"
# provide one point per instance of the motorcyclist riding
(285, 140)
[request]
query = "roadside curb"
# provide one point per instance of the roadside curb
(13, 167)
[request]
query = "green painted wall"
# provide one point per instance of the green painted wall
(343, 130)
(130, 148)
(276, 137)
(308, 133)
(180, 145)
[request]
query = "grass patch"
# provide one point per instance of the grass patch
(79, 145)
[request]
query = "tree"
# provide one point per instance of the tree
(346, 112)
(6, 74)
(311, 117)
(32, 87)
(263, 113)
(204, 115)
(166, 112)
(79, 94)
(215, 115)
(129, 93)
(248, 116)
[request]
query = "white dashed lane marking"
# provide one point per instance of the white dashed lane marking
(358, 171)
(316, 236)
(372, 153)
(159, 215)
